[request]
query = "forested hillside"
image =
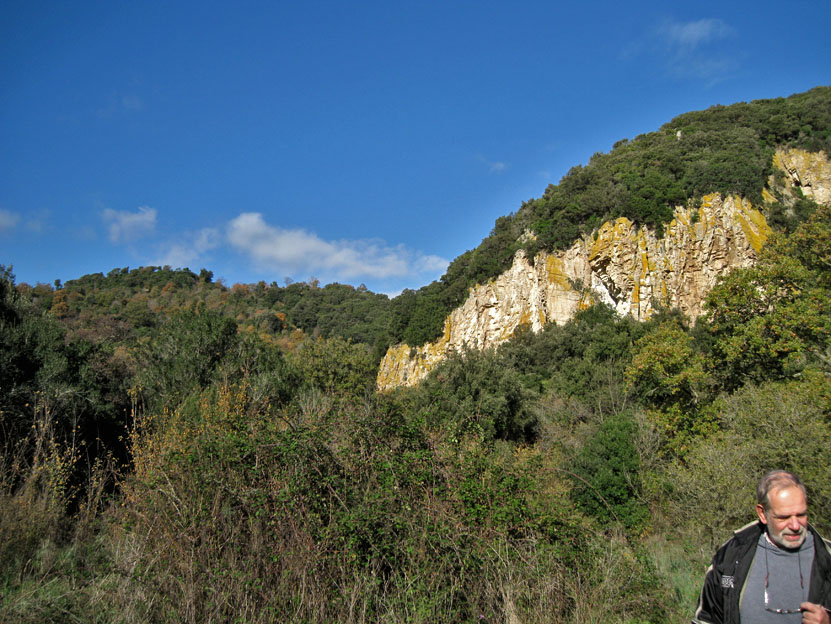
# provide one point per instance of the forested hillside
(139, 300)
(176, 450)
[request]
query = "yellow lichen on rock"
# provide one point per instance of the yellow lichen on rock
(556, 271)
(809, 172)
(608, 233)
(754, 225)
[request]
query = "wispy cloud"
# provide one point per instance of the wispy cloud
(695, 49)
(494, 166)
(688, 36)
(118, 104)
(190, 249)
(8, 220)
(299, 252)
(124, 226)
(131, 103)
(698, 49)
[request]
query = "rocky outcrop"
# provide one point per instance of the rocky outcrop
(633, 269)
(628, 267)
(807, 171)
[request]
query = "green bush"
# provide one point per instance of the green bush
(349, 514)
(474, 393)
(773, 320)
(337, 366)
(606, 474)
(183, 356)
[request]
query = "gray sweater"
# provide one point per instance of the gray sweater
(787, 586)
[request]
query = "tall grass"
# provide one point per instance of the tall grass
(53, 556)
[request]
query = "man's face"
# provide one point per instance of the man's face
(786, 517)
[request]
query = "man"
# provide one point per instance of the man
(776, 570)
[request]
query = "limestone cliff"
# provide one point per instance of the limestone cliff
(625, 266)
(807, 171)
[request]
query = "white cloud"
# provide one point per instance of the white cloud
(190, 251)
(8, 220)
(296, 251)
(124, 226)
(430, 264)
(120, 104)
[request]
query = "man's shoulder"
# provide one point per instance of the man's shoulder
(751, 529)
(821, 543)
(743, 538)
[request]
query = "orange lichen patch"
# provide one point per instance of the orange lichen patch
(806, 162)
(586, 302)
(636, 292)
(810, 172)
(448, 331)
(525, 320)
(389, 372)
(647, 264)
(608, 234)
(753, 224)
(707, 211)
(555, 270)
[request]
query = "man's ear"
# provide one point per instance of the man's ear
(760, 511)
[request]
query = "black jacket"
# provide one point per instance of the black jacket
(723, 584)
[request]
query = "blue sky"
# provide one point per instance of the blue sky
(356, 142)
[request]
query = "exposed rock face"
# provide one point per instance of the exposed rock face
(808, 171)
(632, 269)
(625, 266)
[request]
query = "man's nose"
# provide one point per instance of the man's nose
(793, 523)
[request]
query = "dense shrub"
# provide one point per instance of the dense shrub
(474, 393)
(773, 320)
(183, 356)
(337, 366)
(348, 514)
(607, 474)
